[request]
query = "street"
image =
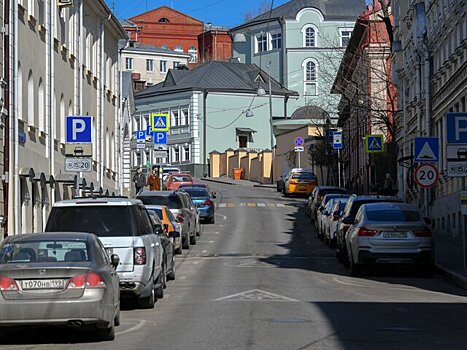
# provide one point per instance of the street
(260, 279)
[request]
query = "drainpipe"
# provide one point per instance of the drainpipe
(51, 90)
(120, 123)
(80, 47)
(6, 149)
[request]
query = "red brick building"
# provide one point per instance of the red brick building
(167, 28)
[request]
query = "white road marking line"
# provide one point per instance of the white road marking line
(181, 277)
(280, 205)
(139, 325)
(222, 216)
(222, 205)
(256, 295)
(206, 241)
(242, 205)
(261, 205)
(205, 251)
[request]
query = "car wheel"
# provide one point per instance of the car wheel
(186, 243)
(159, 291)
(355, 269)
(193, 239)
(147, 302)
(106, 334)
(171, 274)
(344, 257)
(213, 220)
(179, 250)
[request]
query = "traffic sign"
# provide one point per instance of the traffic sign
(159, 138)
(426, 149)
(426, 175)
(141, 135)
(456, 145)
(457, 169)
(299, 148)
(78, 129)
(464, 202)
(78, 164)
(456, 128)
(160, 122)
(374, 143)
(140, 145)
(160, 154)
(298, 141)
(337, 140)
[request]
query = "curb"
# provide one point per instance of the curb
(218, 181)
(455, 277)
(265, 186)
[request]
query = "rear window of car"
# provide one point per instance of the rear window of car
(172, 202)
(393, 215)
(323, 192)
(103, 221)
(196, 192)
(357, 204)
(303, 176)
(158, 212)
(44, 251)
(180, 178)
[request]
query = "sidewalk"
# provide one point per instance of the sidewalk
(449, 258)
(229, 181)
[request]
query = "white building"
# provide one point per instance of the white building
(63, 61)
(430, 64)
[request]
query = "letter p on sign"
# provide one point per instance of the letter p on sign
(78, 129)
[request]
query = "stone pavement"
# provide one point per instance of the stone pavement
(449, 257)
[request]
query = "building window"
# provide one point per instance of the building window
(310, 78)
(176, 154)
(193, 52)
(163, 67)
(310, 37)
(276, 40)
(129, 63)
(175, 118)
(185, 116)
(178, 49)
(242, 141)
(261, 42)
(186, 153)
(164, 20)
(176, 64)
(150, 65)
(345, 37)
(165, 47)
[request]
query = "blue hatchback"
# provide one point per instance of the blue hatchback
(204, 201)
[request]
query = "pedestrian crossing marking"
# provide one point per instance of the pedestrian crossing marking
(231, 205)
(242, 205)
(271, 205)
(257, 205)
(223, 205)
(261, 205)
(280, 205)
(251, 205)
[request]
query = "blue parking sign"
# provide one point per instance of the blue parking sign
(141, 135)
(78, 129)
(159, 138)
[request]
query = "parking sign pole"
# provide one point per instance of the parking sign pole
(464, 188)
(338, 167)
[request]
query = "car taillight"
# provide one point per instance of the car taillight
(140, 256)
(207, 202)
(423, 233)
(86, 280)
(293, 182)
(7, 284)
(363, 232)
(180, 218)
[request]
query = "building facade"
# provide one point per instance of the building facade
(149, 65)
(430, 73)
(63, 61)
(3, 122)
(368, 103)
(215, 44)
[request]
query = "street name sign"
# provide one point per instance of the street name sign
(160, 122)
(78, 164)
(298, 141)
(426, 175)
(426, 149)
(79, 129)
(159, 138)
(456, 145)
(337, 140)
(374, 143)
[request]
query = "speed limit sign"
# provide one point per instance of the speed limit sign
(426, 175)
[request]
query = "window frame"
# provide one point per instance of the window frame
(163, 66)
(149, 65)
(276, 40)
(261, 39)
(129, 62)
(344, 30)
(310, 82)
(305, 28)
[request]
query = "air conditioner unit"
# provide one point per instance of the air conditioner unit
(65, 3)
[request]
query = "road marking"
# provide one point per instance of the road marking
(205, 251)
(251, 205)
(261, 205)
(271, 205)
(205, 241)
(222, 216)
(242, 205)
(139, 325)
(280, 205)
(222, 205)
(256, 295)
(231, 205)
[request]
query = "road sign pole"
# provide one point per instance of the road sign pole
(338, 168)
(299, 156)
(464, 188)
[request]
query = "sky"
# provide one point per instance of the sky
(228, 13)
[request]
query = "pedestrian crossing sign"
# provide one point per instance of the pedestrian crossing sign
(160, 122)
(374, 143)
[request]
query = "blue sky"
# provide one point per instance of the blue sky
(219, 12)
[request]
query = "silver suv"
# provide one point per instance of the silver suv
(124, 227)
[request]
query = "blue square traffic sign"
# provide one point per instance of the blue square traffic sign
(337, 140)
(78, 129)
(141, 135)
(160, 122)
(159, 138)
(426, 149)
(374, 143)
(456, 126)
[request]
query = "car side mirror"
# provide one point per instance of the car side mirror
(158, 230)
(166, 227)
(114, 260)
(348, 220)
(427, 221)
(174, 234)
(214, 195)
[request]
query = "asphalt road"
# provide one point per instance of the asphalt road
(259, 279)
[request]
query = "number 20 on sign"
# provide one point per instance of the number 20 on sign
(426, 175)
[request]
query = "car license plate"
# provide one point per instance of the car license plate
(394, 234)
(43, 284)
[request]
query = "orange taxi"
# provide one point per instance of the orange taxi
(169, 222)
(300, 183)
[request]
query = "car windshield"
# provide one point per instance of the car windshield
(303, 176)
(43, 251)
(172, 202)
(181, 178)
(104, 221)
(196, 192)
(399, 215)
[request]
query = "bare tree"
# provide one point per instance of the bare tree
(263, 7)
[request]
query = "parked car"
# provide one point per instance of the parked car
(333, 221)
(169, 223)
(388, 233)
(176, 179)
(203, 201)
(124, 227)
(300, 183)
(59, 278)
(188, 202)
(167, 242)
(166, 171)
(348, 217)
(314, 201)
(179, 207)
(280, 183)
(324, 211)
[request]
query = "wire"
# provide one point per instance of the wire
(205, 6)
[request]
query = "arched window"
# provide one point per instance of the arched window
(164, 20)
(20, 92)
(310, 78)
(193, 52)
(310, 34)
(178, 48)
(31, 100)
(41, 106)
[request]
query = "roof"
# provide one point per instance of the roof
(331, 10)
(156, 194)
(309, 112)
(151, 48)
(217, 76)
(127, 23)
(51, 235)
(391, 206)
(99, 201)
